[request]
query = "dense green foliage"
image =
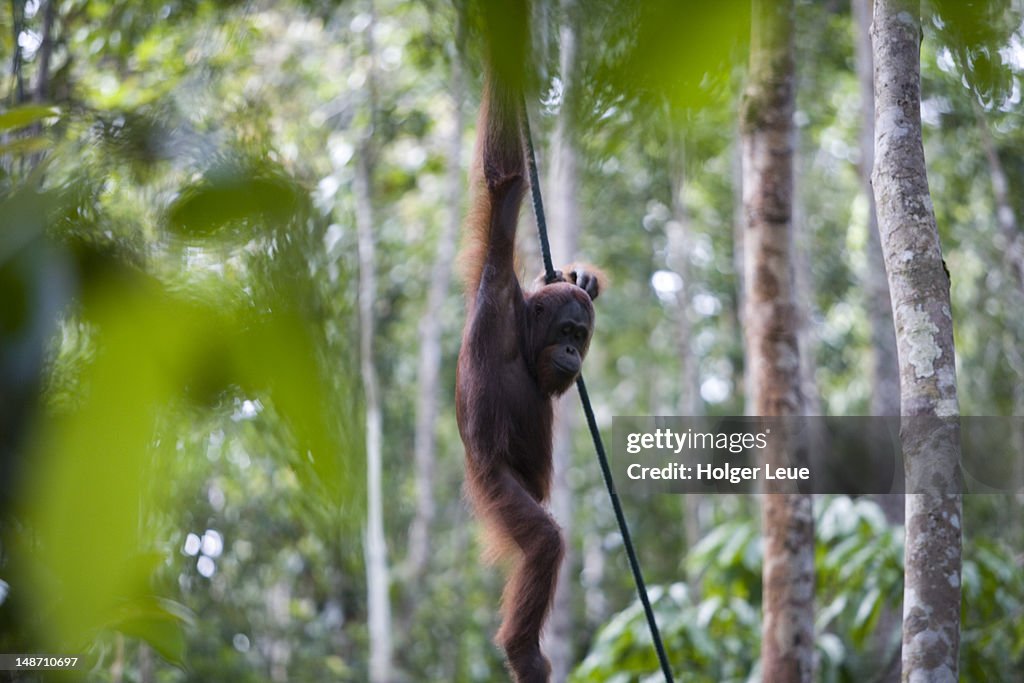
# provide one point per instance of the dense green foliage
(710, 622)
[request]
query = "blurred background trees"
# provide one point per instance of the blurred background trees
(184, 419)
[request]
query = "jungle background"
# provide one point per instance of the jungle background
(229, 318)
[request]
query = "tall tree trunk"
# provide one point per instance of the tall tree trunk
(42, 89)
(17, 61)
(145, 663)
(679, 239)
(1012, 248)
(803, 277)
(771, 324)
(1006, 217)
(885, 373)
(377, 581)
(739, 229)
(117, 666)
(375, 545)
(919, 287)
(558, 635)
(564, 214)
(430, 337)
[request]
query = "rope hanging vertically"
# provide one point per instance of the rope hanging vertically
(538, 203)
(606, 472)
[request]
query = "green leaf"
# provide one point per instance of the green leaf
(833, 610)
(239, 198)
(26, 145)
(856, 563)
(164, 636)
(707, 611)
(866, 615)
(26, 115)
(832, 648)
(99, 458)
(159, 622)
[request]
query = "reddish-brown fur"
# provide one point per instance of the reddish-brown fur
(508, 373)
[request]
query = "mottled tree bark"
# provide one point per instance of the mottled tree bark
(425, 442)
(771, 325)
(885, 374)
(922, 315)
(374, 542)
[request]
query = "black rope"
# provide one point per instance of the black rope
(538, 203)
(606, 471)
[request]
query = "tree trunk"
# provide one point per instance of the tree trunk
(1006, 217)
(678, 246)
(430, 340)
(17, 24)
(557, 637)
(679, 240)
(1012, 248)
(377, 581)
(919, 287)
(117, 666)
(771, 324)
(564, 214)
(803, 277)
(739, 228)
(145, 663)
(375, 546)
(885, 374)
(42, 89)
